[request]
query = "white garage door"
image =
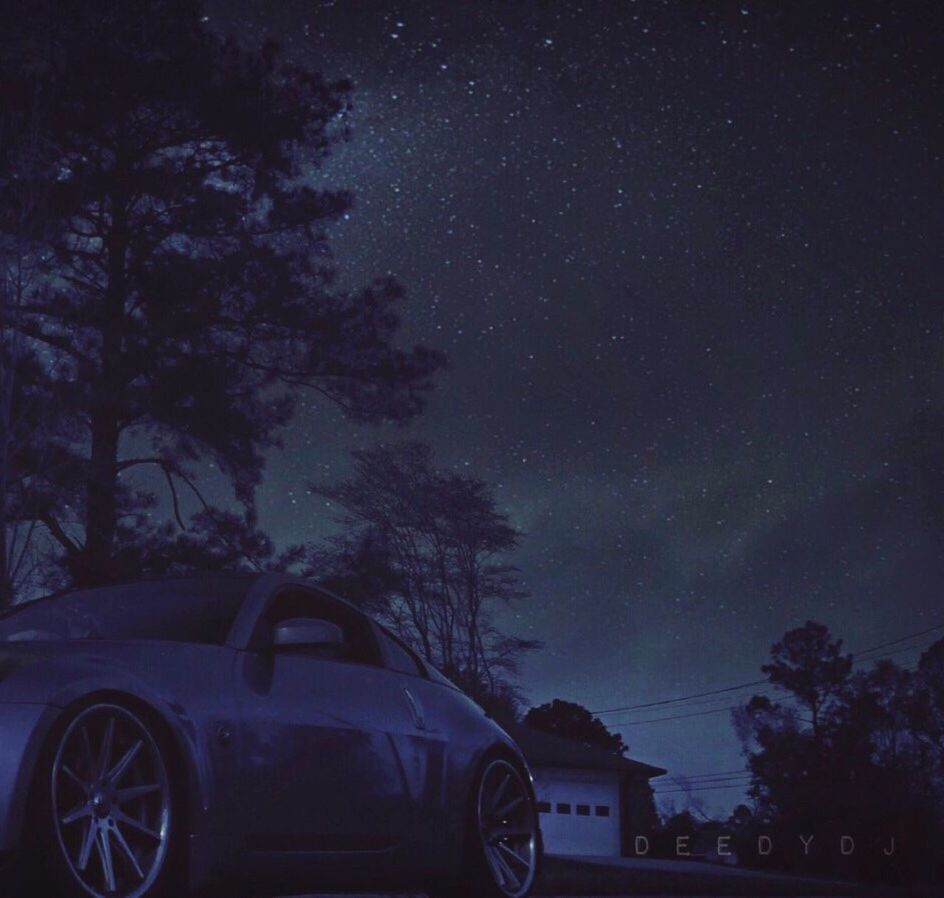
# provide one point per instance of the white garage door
(580, 811)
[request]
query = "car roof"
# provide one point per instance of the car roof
(129, 585)
(260, 587)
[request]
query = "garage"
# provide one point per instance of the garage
(579, 810)
(591, 801)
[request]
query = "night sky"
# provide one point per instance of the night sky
(685, 260)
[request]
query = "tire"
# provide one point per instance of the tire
(503, 840)
(103, 819)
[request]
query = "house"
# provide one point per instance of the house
(591, 801)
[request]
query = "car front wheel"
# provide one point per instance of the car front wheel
(103, 819)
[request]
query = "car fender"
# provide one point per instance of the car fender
(63, 685)
(24, 727)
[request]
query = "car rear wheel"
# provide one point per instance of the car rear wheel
(104, 815)
(503, 839)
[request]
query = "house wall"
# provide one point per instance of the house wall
(639, 811)
(580, 810)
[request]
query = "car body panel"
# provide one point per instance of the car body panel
(295, 766)
(314, 727)
(22, 730)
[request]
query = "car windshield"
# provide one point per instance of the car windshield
(185, 610)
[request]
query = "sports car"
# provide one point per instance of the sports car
(252, 734)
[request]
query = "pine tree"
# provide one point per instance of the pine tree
(187, 293)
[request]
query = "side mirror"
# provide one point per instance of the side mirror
(308, 633)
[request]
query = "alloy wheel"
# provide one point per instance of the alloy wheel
(111, 803)
(508, 828)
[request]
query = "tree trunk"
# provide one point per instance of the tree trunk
(95, 562)
(6, 397)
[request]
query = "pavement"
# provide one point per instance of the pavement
(633, 876)
(589, 877)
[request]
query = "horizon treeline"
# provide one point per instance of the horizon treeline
(846, 768)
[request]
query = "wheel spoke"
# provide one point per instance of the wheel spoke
(508, 827)
(507, 873)
(133, 792)
(128, 853)
(88, 842)
(500, 791)
(104, 854)
(502, 847)
(69, 772)
(495, 863)
(77, 813)
(88, 757)
(121, 817)
(104, 758)
(119, 770)
(506, 809)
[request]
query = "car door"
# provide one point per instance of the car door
(320, 768)
(423, 747)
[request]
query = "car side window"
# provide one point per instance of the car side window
(399, 656)
(360, 645)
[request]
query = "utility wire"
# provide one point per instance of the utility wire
(726, 689)
(699, 789)
(902, 639)
(907, 648)
(633, 723)
(695, 787)
(670, 701)
(627, 723)
(693, 781)
(724, 778)
(697, 776)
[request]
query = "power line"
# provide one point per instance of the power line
(670, 701)
(696, 776)
(733, 778)
(740, 786)
(902, 639)
(629, 723)
(907, 648)
(697, 781)
(718, 698)
(626, 723)
(726, 689)
(691, 787)
(633, 723)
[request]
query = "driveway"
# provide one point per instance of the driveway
(590, 877)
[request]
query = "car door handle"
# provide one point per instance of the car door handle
(416, 709)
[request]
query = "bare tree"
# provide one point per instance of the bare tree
(444, 545)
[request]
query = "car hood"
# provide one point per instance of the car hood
(58, 671)
(45, 672)
(14, 656)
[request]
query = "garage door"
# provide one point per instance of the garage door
(579, 812)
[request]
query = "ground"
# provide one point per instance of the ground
(639, 877)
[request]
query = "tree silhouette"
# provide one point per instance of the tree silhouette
(187, 283)
(806, 663)
(436, 544)
(844, 754)
(927, 710)
(26, 415)
(574, 721)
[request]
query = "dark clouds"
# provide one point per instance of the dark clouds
(685, 260)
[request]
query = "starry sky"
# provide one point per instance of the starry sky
(685, 258)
